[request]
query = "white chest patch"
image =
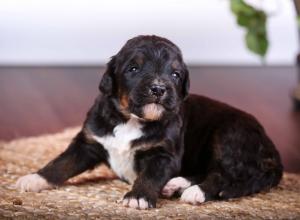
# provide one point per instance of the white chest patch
(118, 145)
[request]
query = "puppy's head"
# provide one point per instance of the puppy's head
(147, 78)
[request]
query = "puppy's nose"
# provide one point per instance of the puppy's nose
(157, 90)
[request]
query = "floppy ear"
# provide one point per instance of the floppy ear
(107, 83)
(186, 84)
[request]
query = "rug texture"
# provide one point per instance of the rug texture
(96, 194)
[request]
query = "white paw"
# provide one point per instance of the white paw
(193, 195)
(32, 183)
(177, 184)
(135, 203)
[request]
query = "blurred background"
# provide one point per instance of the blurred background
(53, 53)
(89, 32)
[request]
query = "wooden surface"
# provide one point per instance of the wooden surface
(38, 100)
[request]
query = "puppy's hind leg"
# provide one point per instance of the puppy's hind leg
(80, 156)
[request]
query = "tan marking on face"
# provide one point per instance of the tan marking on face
(175, 64)
(152, 111)
(124, 102)
(139, 59)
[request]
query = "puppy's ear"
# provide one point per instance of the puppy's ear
(107, 83)
(186, 84)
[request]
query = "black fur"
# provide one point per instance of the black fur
(224, 150)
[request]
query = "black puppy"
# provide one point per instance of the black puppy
(148, 129)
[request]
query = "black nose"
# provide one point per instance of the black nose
(157, 90)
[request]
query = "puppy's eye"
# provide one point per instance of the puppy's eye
(133, 69)
(175, 74)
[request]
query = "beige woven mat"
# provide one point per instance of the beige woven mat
(94, 195)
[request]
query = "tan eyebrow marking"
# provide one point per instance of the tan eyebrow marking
(139, 59)
(175, 64)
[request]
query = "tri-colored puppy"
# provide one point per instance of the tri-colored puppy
(156, 136)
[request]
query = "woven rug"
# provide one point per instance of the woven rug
(96, 194)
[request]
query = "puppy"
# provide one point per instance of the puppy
(154, 135)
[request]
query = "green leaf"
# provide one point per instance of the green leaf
(254, 22)
(239, 6)
(244, 20)
(257, 43)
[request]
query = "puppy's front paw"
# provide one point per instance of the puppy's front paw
(32, 183)
(139, 200)
(193, 195)
(177, 184)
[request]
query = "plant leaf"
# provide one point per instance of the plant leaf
(254, 21)
(239, 6)
(257, 43)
